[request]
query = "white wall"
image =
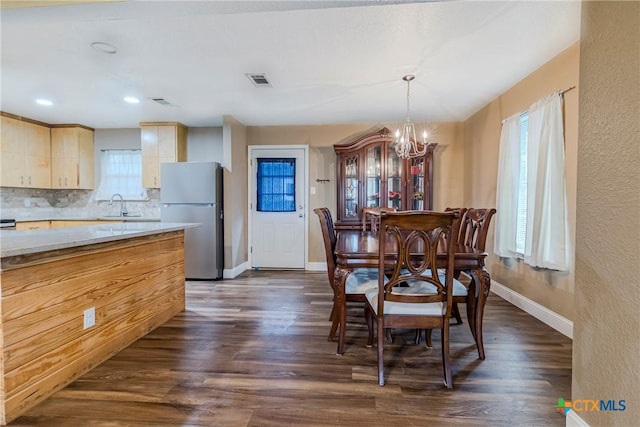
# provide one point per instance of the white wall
(204, 144)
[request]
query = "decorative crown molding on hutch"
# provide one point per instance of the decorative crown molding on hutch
(370, 174)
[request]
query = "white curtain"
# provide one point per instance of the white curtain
(121, 172)
(547, 237)
(507, 188)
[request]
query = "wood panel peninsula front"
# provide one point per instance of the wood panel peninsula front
(131, 274)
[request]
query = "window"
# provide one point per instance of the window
(276, 185)
(121, 172)
(531, 198)
(521, 222)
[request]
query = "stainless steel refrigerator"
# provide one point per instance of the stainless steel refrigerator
(192, 192)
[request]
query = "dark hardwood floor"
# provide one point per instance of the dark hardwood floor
(253, 352)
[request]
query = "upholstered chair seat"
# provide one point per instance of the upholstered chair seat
(415, 287)
(360, 280)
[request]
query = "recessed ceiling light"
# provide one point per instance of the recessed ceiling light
(131, 100)
(45, 102)
(104, 47)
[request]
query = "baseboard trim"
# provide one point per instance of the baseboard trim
(316, 266)
(542, 313)
(231, 273)
(574, 420)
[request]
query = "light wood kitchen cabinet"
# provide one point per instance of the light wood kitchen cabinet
(161, 143)
(72, 159)
(33, 225)
(25, 149)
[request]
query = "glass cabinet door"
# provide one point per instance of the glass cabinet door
(394, 179)
(351, 185)
(416, 187)
(372, 173)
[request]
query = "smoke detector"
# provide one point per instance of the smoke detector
(103, 47)
(258, 79)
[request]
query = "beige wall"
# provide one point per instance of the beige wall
(606, 346)
(322, 164)
(553, 290)
(234, 141)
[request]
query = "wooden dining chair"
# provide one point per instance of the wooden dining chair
(417, 294)
(474, 228)
(358, 280)
(371, 218)
(461, 294)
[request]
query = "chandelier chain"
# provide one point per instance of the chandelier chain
(406, 143)
(408, 110)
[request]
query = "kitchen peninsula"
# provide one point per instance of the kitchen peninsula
(73, 297)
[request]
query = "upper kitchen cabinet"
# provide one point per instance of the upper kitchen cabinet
(370, 174)
(72, 158)
(25, 152)
(164, 142)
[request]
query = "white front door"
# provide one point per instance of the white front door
(277, 204)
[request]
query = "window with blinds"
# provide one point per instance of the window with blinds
(521, 232)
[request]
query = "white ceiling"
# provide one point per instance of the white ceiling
(329, 62)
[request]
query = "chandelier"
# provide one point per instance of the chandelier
(406, 143)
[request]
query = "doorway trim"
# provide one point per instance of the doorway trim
(250, 191)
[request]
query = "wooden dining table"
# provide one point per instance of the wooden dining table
(356, 249)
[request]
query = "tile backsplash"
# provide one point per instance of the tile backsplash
(25, 203)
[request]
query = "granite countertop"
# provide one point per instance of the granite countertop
(133, 218)
(14, 243)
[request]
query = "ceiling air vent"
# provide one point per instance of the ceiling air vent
(258, 80)
(161, 101)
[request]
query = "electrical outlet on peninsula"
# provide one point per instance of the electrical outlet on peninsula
(89, 317)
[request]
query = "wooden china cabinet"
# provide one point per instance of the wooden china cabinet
(370, 174)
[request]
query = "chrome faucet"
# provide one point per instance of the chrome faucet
(123, 204)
